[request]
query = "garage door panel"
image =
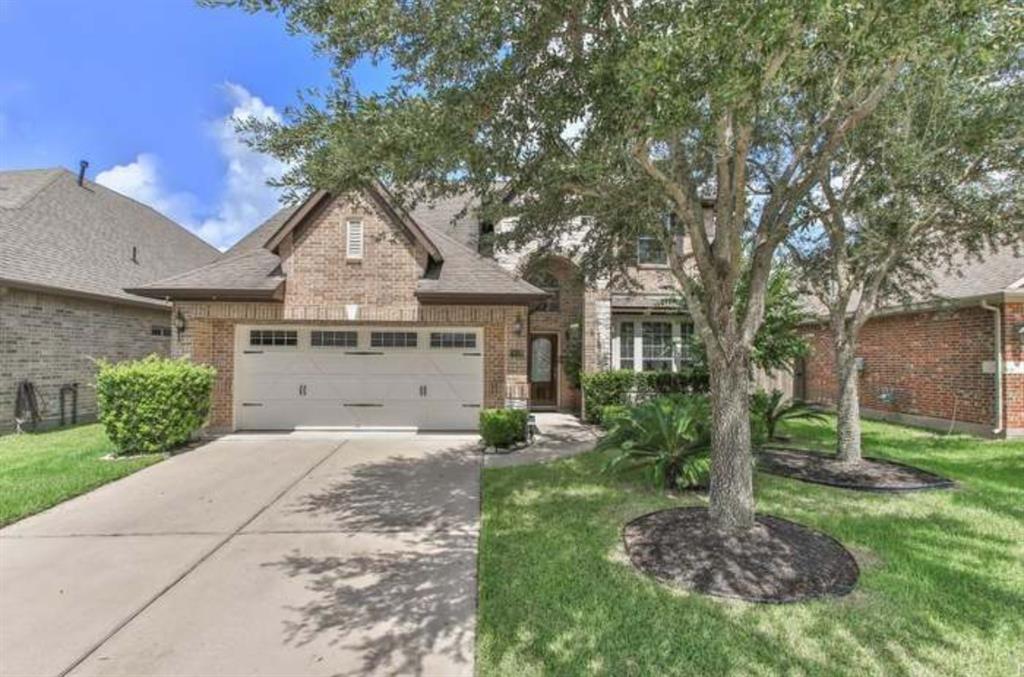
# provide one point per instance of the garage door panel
(305, 386)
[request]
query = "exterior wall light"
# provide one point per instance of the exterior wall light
(517, 326)
(180, 324)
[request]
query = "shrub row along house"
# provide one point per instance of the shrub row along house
(953, 361)
(68, 249)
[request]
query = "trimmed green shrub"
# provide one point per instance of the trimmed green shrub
(669, 436)
(611, 412)
(503, 427)
(625, 388)
(685, 381)
(153, 404)
(606, 387)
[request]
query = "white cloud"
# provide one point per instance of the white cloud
(245, 199)
(141, 181)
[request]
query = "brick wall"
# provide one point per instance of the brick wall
(49, 340)
(1013, 352)
(209, 338)
(320, 275)
(930, 363)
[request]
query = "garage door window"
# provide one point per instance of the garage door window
(393, 339)
(449, 339)
(273, 337)
(338, 339)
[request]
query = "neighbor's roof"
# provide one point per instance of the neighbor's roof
(967, 279)
(458, 272)
(57, 235)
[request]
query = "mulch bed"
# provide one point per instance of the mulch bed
(871, 474)
(777, 561)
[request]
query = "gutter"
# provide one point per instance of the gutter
(999, 364)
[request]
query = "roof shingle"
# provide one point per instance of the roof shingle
(59, 235)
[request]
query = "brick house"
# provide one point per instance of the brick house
(68, 248)
(955, 361)
(348, 311)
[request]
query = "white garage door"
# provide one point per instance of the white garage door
(325, 377)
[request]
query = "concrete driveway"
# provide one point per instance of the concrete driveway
(254, 555)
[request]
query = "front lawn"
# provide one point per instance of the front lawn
(39, 470)
(941, 588)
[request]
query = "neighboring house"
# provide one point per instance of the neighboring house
(935, 363)
(351, 312)
(68, 248)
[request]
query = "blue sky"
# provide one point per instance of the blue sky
(145, 90)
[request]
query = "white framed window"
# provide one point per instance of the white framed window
(650, 251)
(354, 239)
(645, 343)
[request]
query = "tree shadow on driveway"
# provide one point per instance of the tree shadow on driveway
(401, 591)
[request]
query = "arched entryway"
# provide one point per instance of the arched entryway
(556, 333)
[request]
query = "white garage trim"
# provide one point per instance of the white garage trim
(353, 377)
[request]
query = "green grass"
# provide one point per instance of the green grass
(941, 588)
(39, 470)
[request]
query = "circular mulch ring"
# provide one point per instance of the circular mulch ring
(871, 474)
(777, 561)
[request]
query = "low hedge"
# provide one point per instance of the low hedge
(153, 404)
(624, 388)
(503, 427)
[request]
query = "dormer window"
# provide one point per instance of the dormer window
(354, 240)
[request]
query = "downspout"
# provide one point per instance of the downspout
(999, 365)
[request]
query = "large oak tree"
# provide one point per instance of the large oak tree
(623, 111)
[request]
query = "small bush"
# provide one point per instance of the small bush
(154, 404)
(503, 427)
(669, 436)
(767, 410)
(611, 412)
(606, 387)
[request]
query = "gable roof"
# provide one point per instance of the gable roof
(62, 237)
(250, 269)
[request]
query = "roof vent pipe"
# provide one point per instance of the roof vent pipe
(82, 166)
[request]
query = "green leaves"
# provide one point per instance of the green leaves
(153, 404)
(503, 427)
(668, 437)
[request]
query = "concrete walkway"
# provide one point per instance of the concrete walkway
(559, 436)
(269, 555)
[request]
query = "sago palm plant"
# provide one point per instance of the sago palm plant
(772, 408)
(669, 437)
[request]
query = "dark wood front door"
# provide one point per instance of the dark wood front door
(543, 370)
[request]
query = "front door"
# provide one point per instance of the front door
(543, 374)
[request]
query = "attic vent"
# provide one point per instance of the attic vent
(354, 240)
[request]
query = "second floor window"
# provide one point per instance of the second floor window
(650, 251)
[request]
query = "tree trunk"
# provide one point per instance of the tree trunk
(732, 483)
(848, 412)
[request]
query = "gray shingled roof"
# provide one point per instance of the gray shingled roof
(262, 233)
(454, 216)
(996, 273)
(463, 272)
(255, 274)
(57, 234)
